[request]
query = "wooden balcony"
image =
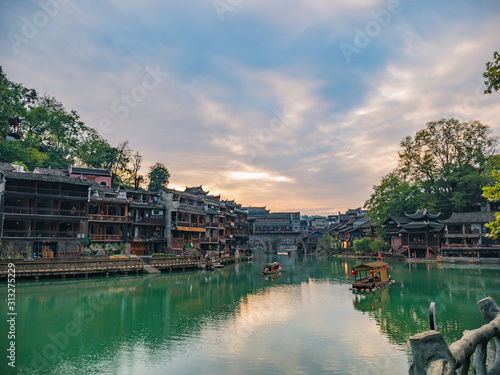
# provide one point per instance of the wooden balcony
(106, 237)
(55, 192)
(19, 210)
(189, 227)
(468, 246)
(209, 240)
(146, 220)
(107, 218)
(179, 243)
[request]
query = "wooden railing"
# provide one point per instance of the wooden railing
(106, 237)
(432, 356)
(467, 246)
(209, 240)
(107, 218)
(43, 211)
(147, 220)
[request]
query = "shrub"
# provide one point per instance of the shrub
(378, 245)
(363, 245)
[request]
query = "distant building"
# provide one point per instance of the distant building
(100, 176)
(42, 215)
(145, 222)
(419, 234)
(266, 222)
(466, 236)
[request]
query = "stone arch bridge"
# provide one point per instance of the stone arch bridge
(265, 239)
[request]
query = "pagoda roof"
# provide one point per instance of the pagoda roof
(422, 214)
(196, 190)
(429, 226)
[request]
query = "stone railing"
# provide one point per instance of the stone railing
(432, 356)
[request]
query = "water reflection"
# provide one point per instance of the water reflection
(373, 301)
(236, 321)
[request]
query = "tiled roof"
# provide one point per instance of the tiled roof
(470, 217)
(397, 219)
(29, 176)
(7, 167)
(49, 171)
(90, 171)
(108, 199)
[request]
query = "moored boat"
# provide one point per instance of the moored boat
(270, 268)
(371, 276)
(213, 266)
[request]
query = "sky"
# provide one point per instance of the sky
(291, 104)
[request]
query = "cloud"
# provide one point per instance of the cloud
(262, 106)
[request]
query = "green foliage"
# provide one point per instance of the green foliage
(363, 245)
(14, 100)
(442, 168)
(378, 245)
(22, 152)
(326, 242)
(158, 177)
(395, 196)
(492, 193)
(492, 74)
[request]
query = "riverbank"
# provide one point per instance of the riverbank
(103, 266)
(437, 259)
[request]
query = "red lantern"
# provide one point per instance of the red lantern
(387, 268)
(371, 272)
(353, 273)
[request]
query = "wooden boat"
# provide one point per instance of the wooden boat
(213, 266)
(270, 268)
(371, 276)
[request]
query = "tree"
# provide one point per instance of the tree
(158, 177)
(492, 193)
(137, 179)
(492, 74)
(14, 101)
(362, 245)
(442, 168)
(326, 243)
(394, 196)
(377, 245)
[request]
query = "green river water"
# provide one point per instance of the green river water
(237, 321)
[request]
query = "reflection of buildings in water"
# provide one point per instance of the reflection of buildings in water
(372, 300)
